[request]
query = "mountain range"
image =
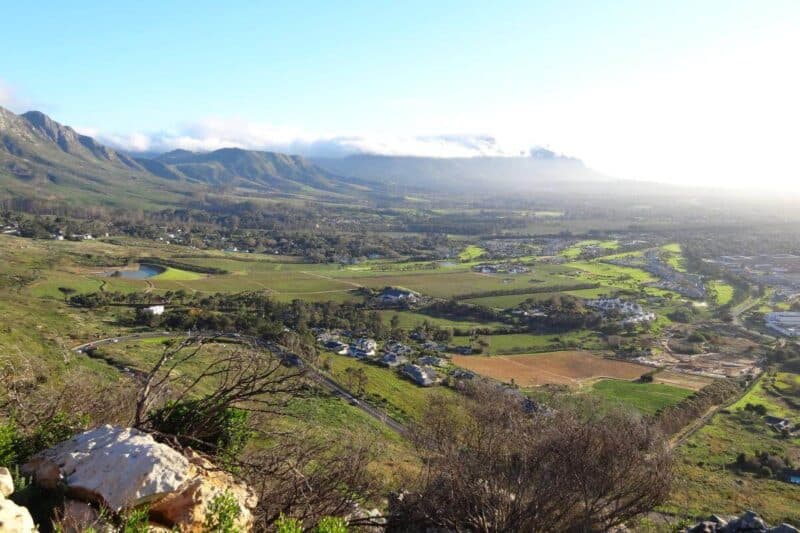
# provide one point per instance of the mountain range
(45, 160)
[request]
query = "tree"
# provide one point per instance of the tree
(497, 464)
(67, 292)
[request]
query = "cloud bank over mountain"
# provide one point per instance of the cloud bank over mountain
(215, 133)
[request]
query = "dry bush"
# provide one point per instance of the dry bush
(498, 465)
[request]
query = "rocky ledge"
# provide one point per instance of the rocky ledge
(749, 522)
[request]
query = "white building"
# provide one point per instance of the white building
(155, 310)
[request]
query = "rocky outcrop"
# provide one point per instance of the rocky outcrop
(13, 518)
(749, 522)
(123, 468)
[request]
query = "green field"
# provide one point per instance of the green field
(674, 256)
(721, 292)
(471, 252)
(649, 398)
(526, 343)
(513, 300)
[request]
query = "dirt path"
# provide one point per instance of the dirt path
(356, 285)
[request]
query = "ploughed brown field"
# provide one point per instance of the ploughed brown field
(562, 368)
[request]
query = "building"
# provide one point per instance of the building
(430, 360)
(368, 346)
(393, 360)
(397, 295)
(422, 376)
(786, 323)
(155, 310)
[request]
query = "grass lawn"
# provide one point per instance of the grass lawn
(527, 343)
(512, 300)
(176, 274)
(385, 389)
(575, 250)
(649, 398)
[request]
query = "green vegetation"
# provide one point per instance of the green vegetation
(471, 253)
(649, 398)
(175, 274)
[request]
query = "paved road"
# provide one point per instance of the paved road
(316, 374)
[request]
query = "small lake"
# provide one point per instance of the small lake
(144, 271)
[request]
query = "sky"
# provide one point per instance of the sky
(699, 92)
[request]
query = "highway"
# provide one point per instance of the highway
(317, 375)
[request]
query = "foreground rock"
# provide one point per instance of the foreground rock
(123, 468)
(13, 518)
(749, 522)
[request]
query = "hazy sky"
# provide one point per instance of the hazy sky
(696, 91)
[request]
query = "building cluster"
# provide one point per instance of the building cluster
(397, 296)
(786, 323)
(421, 369)
(501, 268)
(632, 312)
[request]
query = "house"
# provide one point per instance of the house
(358, 353)
(336, 347)
(397, 295)
(430, 360)
(393, 360)
(422, 376)
(398, 348)
(155, 310)
(368, 346)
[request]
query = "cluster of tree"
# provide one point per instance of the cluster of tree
(562, 312)
(764, 464)
(785, 356)
(455, 310)
(675, 417)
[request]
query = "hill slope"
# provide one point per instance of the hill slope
(541, 169)
(44, 161)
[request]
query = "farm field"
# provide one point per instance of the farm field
(513, 300)
(649, 398)
(560, 368)
(681, 379)
(706, 479)
(527, 343)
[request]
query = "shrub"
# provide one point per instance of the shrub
(202, 424)
(8, 441)
(136, 521)
(221, 514)
(288, 525)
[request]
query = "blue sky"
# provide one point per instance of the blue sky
(673, 91)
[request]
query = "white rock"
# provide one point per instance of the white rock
(120, 467)
(14, 518)
(6, 482)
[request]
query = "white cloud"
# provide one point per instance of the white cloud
(215, 133)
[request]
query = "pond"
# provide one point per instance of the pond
(143, 272)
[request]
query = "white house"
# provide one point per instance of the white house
(155, 310)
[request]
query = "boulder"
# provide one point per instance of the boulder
(123, 468)
(6, 482)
